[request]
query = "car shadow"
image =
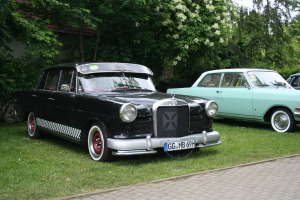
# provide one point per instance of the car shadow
(250, 124)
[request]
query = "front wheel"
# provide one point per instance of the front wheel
(97, 144)
(32, 128)
(282, 120)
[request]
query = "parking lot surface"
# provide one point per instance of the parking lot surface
(277, 178)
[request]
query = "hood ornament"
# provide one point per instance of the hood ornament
(173, 94)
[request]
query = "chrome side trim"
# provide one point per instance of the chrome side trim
(296, 113)
(172, 102)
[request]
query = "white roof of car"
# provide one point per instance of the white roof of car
(237, 70)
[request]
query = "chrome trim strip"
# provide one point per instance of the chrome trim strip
(133, 152)
(296, 113)
(172, 102)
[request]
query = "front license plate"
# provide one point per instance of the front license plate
(175, 146)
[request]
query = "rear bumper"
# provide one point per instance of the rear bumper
(148, 145)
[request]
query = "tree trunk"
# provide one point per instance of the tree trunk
(96, 47)
(81, 55)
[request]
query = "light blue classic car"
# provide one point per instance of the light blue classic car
(255, 94)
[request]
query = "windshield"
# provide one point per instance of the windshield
(265, 79)
(114, 82)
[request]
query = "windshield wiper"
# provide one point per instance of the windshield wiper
(130, 89)
(279, 83)
(263, 85)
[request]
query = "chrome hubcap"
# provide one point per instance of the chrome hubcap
(281, 121)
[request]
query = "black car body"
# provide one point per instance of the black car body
(114, 109)
(294, 81)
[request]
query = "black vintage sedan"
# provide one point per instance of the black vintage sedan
(114, 109)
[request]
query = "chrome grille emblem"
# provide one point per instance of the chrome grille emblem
(170, 121)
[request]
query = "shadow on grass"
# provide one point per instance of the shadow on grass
(250, 124)
(162, 156)
(243, 123)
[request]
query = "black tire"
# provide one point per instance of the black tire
(32, 128)
(97, 143)
(282, 120)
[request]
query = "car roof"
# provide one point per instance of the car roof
(103, 67)
(298, 74)
(238, 70)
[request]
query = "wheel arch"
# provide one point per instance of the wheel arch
(267, 115)
(86, 127)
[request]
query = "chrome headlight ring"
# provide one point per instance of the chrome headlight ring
(128, 112)
(211, 108)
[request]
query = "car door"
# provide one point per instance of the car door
(43, 95)
(234, 96)
(62, 100)
(207, 87)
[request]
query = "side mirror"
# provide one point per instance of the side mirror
(65, 88)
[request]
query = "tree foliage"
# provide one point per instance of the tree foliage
(177, 39)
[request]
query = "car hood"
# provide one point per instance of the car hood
(146, 99)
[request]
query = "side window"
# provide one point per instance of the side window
(295, 82)
(210, 80)
(52, 79)
(234, 80)
(66, 81)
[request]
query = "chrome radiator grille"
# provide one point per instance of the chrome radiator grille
(171, 118)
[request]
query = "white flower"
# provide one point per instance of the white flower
(193, 15)
(210, 8)
(178, 58)
(181, 16)
(196, 40)
(205, 1)
(207, 42)
(175, 36)
(215, 26)
(211, 44)
(218, 18)
(221, 40)
(174, 62)
(179, 7)
(179, 26)
(186, 46)
(166, 22)
(177, 1)
(217, 32)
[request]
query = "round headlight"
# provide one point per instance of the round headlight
(211, 108)
(128, 112)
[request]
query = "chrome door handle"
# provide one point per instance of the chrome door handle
(219, 91)
(51, 99)
(34, 95)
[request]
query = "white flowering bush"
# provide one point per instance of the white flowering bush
(190, 25)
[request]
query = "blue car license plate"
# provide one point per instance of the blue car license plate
(175, 146)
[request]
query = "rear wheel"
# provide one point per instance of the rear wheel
(282, 120)
(97, 144)
(32, 128)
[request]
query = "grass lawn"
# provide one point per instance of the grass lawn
(52, 167)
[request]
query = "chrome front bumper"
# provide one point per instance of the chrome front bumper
(148, 145)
